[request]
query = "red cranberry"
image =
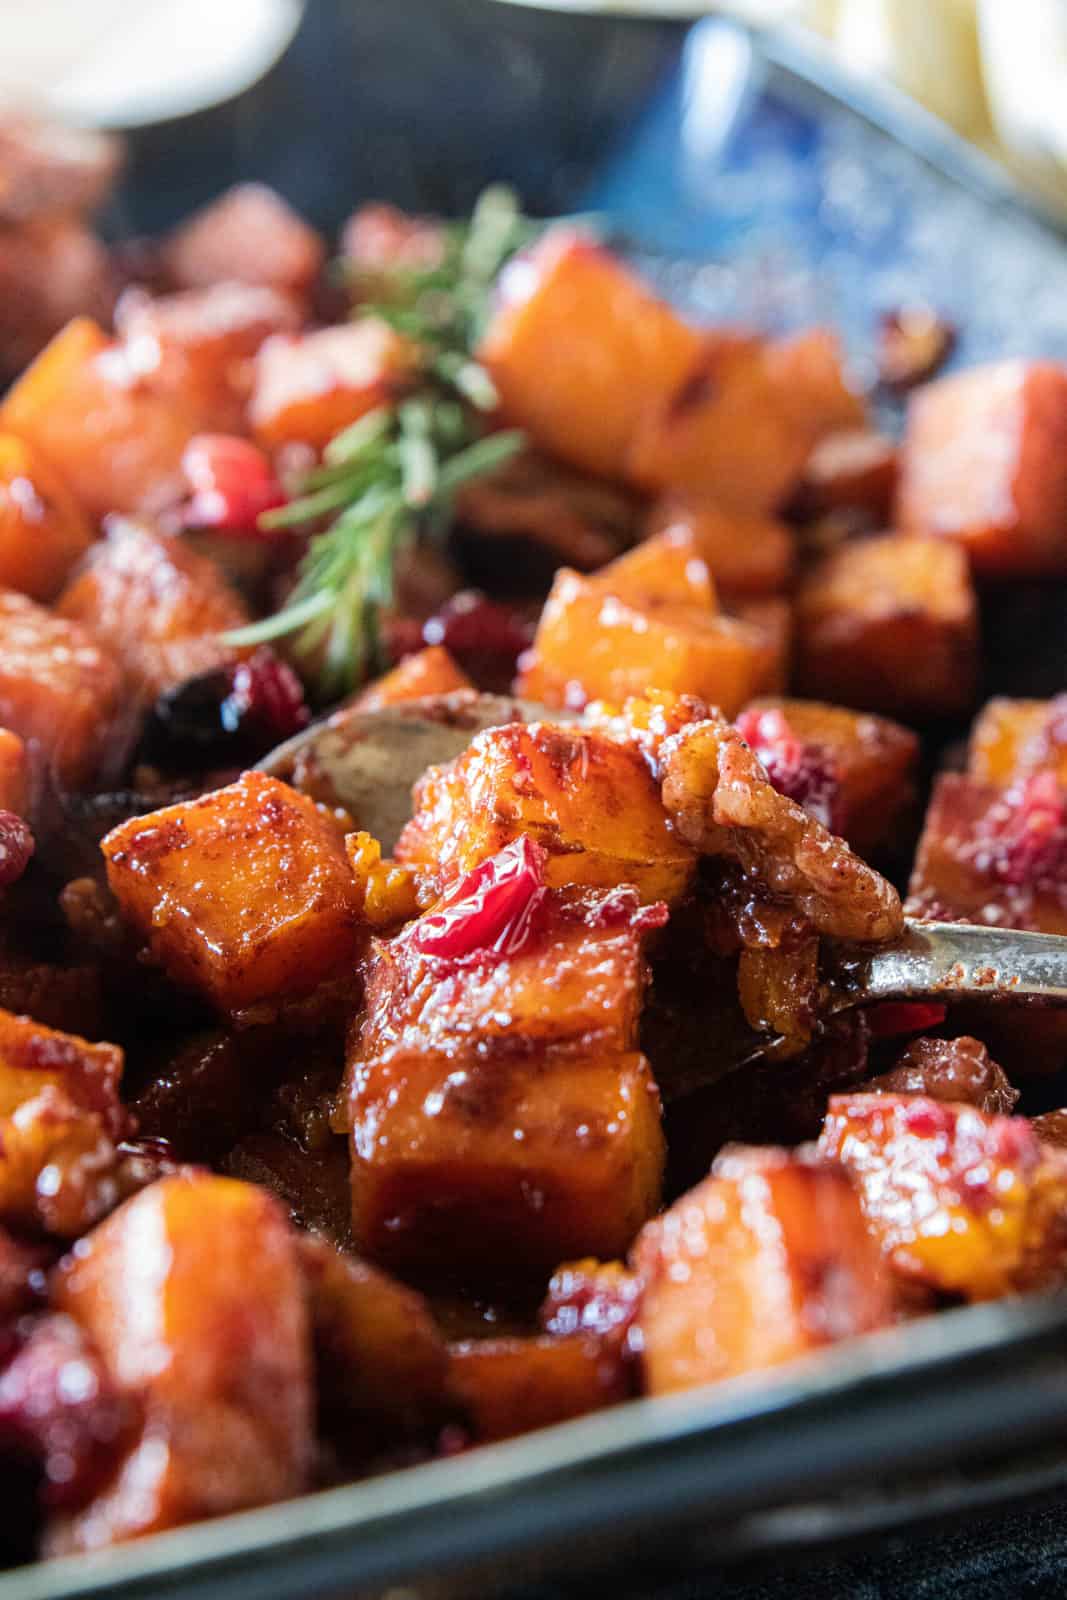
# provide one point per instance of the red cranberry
(622, 908)
(904, 1016)
(266, 691)
(16, 847)
(802, 772)
(496, 908)
(232, 484)
(484, 637)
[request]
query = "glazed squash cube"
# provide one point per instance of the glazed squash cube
(854, 470)
(965, 1202)
(746, 555)
(59, 691)
(666, 569)
(985, 464)
(750, 1270)
(499, 1167)
(1013, 739)
(430, 671)
(309, 386)
(15, 787)
(180, 599)
(593, 645)
(250, 234)
(244, 895)
(580, 351)
(741, 426)
(43, 529)
(576, 988)
(591, 803)
(51, 269)
(210, 1267)
(889, 624)
(869, 763)
(115, 431)
(503, 1387)
(33, 1057)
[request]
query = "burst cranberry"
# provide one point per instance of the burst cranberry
(59, 1409)
(484, 637)
(225, 718)
(1023, 841)
(904, 1016)
(802, 772)
(266, 691)
(16, 847)
(232, 484)
(497, 908)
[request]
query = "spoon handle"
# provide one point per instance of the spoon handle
(949, 960)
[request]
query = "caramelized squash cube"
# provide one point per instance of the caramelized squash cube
(746, 555)
(51, 269)
(985, 464)
(590, 802)
(580, 351)
(750, 1270)
(964, 1202)
(15, 788)
(192, 1294)
(1014, 739)
(250, 234)
(889, 624)
(873, 762)
(577, 988)
(180, 600)
(33, 1057)
(504, 1387)
(666, 569)
(244, 895)
(59, 691)
(501, 1166)
(855, 470)
(43, 529)
(309, 386)
(430, 671)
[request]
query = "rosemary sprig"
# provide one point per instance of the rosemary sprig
(389, 480)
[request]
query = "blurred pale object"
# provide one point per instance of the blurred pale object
(125, 63)
(929, 48)
(1024, 53)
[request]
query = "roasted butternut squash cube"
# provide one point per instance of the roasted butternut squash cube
(499, 1167)
(43, 529)
(205, 339)
(250, 234)
(869, 763)
(750, 1270)
(309, 386)
(33, 1057)
(224, 1378)
(593, 645)
(180, 599)
(431, 671)
(889, 624)
(666, 569)
(244, 895)
(115, 431)
(591, 803)
(59, 691)
(746, 555)
(504, 1387)
(855, 470)
(741, 426)
(984, 464)
(964, 1202)
(51, 269)
(15, 787)
(1013, 739)
(578, 987)
(580, 351)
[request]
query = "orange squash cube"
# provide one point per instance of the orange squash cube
(580, 351)
(501, 1166)
(504, 1387)
(244, 895)
(1013, 739)
(115, 432)
(985, 464)
(666, 569)
(431, 671)
(889, 624)
(15, 785)
(224, 1378)
(180, 599)
(33, 1057)
(43, 529)
(873, 759)
(746, 555)
(250, 234)
(309, 386)
(854, 470)
(590, 802)
(750, 1270)
(740, 429)
(964, 1202)
(58, 690)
